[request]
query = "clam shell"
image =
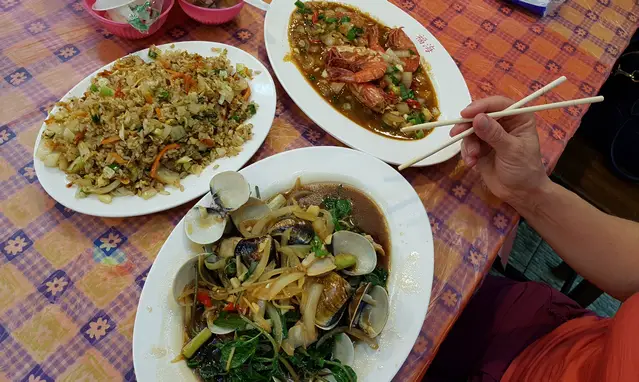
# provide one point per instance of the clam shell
(357, 245)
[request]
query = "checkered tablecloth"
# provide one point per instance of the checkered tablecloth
(69, 283)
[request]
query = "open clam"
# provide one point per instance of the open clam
(343, 349)
(229, 191)
(203, 227)
(351, 243)
(369, 309)
(206, 225)
(333, 299)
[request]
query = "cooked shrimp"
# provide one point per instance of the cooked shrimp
(373, 38)
(372, 97)
(399, 40)
(354, 65)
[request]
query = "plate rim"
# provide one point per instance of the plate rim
(107, 212)
(440, 157)
(427, 273)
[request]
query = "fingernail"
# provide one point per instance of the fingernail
(482, 122)
(468, 107)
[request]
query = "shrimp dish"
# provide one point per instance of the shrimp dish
(369, 72)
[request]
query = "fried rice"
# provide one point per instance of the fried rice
(141, 126)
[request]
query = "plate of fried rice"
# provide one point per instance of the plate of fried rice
(147, 132)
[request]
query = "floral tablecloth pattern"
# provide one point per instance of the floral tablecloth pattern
(69, 283)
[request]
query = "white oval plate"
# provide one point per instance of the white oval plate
(262, 92)
(157, 334)
(449, 84)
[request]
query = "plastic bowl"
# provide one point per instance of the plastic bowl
(125, 30)
(211, 16)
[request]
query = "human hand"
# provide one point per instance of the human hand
(506, 153)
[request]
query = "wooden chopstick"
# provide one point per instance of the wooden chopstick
(508, 113)
(464, 134)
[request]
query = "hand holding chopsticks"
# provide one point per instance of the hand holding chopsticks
(512, 110)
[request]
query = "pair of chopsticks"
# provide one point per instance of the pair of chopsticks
(514, 109)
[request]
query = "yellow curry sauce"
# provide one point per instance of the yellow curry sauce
(317, 27)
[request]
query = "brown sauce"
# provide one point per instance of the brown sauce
(366, 214)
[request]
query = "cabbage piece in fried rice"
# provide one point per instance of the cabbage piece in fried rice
(141, 126)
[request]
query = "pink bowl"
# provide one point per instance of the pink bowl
(125, 30)
(211, 15)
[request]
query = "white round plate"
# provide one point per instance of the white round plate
(262, 92)
(157, 334)
(449, 84)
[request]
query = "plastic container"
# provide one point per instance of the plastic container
(117, 10)
(125, 30)
(211, 16)
(539, 7)
(214, 16)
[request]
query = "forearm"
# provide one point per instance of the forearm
(601, 248)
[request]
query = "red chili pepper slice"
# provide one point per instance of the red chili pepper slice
(413, 103)
(205, 299)
(230, 307)
(315, 17)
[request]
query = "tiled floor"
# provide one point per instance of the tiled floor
(535, 258)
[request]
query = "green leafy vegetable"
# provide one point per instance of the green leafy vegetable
(244, 349)
(230, 320)
(206, 361)
(321, 16)
(379, 276)
(394, 80)
(340, 209)
(95, 118)
(312, 77)
(251, 109)
(317, 246)
(236, 118)
(343, 373)
(93, 88)
(114, 166)
(153, 54)
(331, 20)
(419, 134)
(354, 33)
(345, 19)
